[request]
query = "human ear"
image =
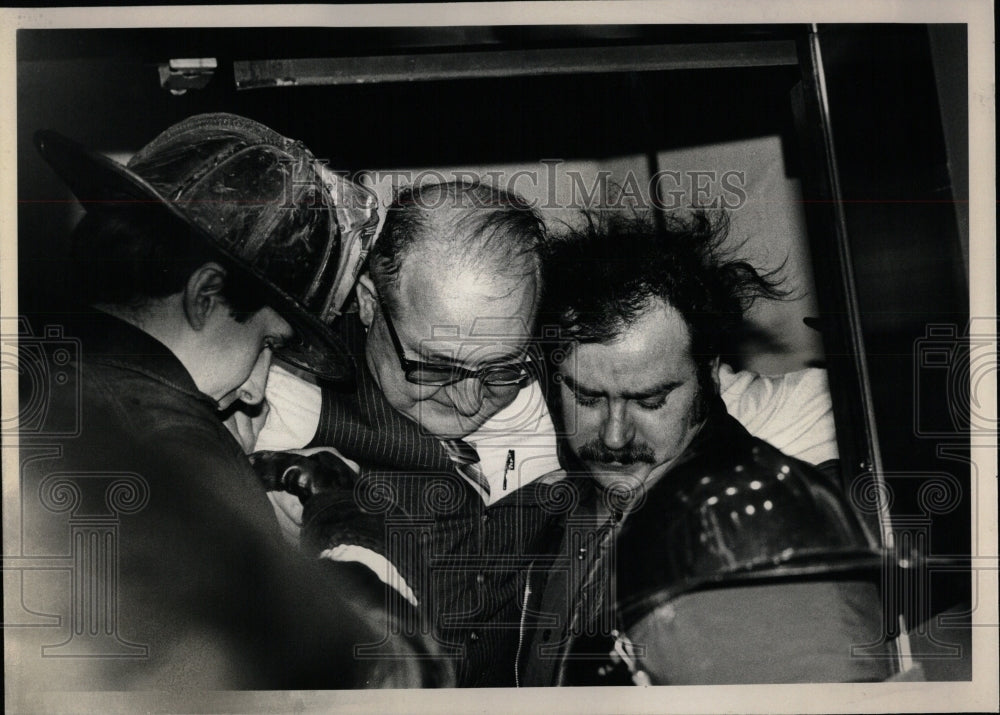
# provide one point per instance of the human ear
(202, 293)
(367, 299)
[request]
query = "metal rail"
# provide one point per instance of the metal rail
(257, 74)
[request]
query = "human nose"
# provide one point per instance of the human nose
(467, 396)
(617, 430)
(251, 392)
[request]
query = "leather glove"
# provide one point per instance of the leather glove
(324, 484)
(304, 476)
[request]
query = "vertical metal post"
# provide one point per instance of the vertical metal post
(849, 375)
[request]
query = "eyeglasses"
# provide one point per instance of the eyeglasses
(423, 373)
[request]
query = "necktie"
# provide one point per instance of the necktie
(466, 459)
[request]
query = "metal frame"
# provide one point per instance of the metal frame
(257, 74)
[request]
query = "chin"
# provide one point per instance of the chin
(445, 422)
(449, 433)
(447, 426)
(225, 402)
(627, 477)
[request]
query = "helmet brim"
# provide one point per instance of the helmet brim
(98, 183)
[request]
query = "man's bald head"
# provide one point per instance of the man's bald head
(459, 227)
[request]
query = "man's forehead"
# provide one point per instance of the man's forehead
(484, 328)
(479, 303)
(592, 367)
(658, 332)
(652, 352)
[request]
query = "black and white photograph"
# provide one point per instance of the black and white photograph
(436, 357)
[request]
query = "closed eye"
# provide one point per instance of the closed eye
(653, 404)
(585, 400)
(655, 398)
(580, 396)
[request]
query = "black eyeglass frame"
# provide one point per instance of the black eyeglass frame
(456, 373)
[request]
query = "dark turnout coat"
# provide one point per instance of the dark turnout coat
(740, 565)
(177, 575)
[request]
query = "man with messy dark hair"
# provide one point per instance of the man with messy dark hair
(625, 271)
(680, 502)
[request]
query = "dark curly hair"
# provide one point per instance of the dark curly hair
(600, 278)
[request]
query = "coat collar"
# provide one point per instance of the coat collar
(109, 340)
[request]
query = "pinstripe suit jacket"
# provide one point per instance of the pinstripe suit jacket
(465, 561)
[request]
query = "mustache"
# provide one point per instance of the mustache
(597, 451)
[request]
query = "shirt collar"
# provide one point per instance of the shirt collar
(517, 445)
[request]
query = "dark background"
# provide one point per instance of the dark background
(102, 88)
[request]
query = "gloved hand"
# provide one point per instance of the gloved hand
(324, 484)
(305, 476)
